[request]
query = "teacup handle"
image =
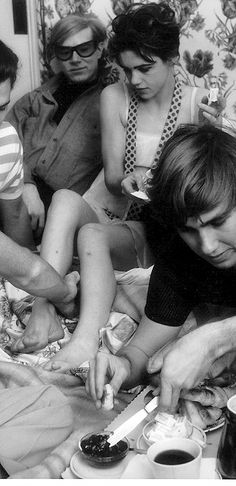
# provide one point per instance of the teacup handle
(201, 442)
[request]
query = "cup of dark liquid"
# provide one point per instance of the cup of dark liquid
(175, 458)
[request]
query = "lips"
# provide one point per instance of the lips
(219, 258)
(77, 70)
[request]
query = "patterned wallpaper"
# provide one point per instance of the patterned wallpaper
(208, 37)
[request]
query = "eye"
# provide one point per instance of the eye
(145, 69)
(219, 223)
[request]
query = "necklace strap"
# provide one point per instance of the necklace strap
(131, 133)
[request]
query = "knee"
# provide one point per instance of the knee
(94, 231)
(62, 196)
(64, 199)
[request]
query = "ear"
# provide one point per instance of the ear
(100, 49)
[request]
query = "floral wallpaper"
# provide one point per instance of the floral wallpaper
(207, 46)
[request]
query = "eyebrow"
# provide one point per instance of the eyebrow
(217, 219)
(139, 66)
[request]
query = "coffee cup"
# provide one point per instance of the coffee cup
(175, 459)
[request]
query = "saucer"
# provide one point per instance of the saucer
(139, 468)
(83, 470)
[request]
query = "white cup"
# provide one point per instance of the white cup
(187, 470)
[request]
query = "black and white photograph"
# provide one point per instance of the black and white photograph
(117, 240)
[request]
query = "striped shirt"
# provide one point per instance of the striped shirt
(11, 163)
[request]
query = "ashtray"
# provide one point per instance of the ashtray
(95, 449)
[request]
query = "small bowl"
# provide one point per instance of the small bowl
(146, 429)
(195, 433)
(93, 448)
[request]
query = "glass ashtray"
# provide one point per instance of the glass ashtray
(95, 449)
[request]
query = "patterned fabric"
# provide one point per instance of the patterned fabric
(11, 165)
(135, 210)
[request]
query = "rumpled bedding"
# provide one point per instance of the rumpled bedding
(204, 405)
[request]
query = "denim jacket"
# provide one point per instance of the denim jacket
(67, 155)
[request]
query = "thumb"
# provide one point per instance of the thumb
(155, 363)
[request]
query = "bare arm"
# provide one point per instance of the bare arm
(31, 273)
(15, 221)
(149, 337)
(128, 367)
(113, 136)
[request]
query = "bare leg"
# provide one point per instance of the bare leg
(100, 247)
(67, 213)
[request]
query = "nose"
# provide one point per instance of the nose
(2, 115)
(208, 240)
(75, 57)
(135, 79)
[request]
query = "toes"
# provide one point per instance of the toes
(74, 276)
(17, 346)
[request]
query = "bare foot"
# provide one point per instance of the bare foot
(71, 309)
(43, 327)
(72, 306)
(72, 355)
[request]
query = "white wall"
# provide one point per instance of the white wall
(27, 77)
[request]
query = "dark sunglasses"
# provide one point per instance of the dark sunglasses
(64, 53)
(141, 21)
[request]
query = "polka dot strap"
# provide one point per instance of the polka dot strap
(130, 147)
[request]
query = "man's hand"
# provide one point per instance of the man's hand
(35, 208)
(183, 364)
(106, 366)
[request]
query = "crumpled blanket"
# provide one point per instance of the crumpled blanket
(128, 307)
(34, 419)
(44, 450)
(132, 288)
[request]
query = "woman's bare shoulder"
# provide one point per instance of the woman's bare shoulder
(114, 101)
(113, 91)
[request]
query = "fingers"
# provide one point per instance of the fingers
(155, 364)
(75, 275)
(211, 113)
(156, 361)
(169, 397)
(97, 377)
(103, 367)
(129, 185)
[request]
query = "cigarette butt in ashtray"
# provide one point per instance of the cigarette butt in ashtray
(108, 397)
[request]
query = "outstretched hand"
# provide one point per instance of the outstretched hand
(182, 364)
(103, 368)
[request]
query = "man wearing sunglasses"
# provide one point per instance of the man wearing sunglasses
(58, 123)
